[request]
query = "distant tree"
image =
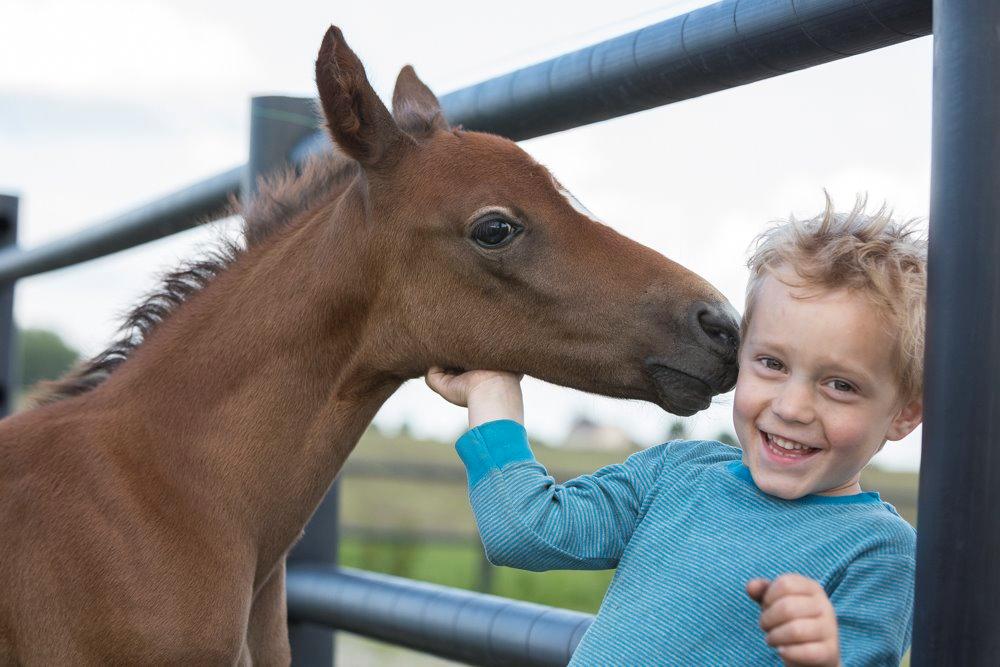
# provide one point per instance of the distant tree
(43, 356)
(728, 438)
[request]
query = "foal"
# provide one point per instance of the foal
(147, 506)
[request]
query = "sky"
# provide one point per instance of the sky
(108, 104)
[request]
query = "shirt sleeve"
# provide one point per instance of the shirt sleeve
(527, 520)
(874, 605)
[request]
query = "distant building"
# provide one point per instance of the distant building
(588, 435)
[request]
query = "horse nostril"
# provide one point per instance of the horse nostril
(720, 325)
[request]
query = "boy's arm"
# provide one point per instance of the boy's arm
(527, 520)
(874, 603)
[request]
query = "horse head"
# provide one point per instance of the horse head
(483, 260)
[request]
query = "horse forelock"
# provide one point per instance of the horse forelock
(281, 199)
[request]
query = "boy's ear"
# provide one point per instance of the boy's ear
(358, 121)
(908, 418)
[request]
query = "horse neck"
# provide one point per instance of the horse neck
(260, 385)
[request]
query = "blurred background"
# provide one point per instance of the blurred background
(109, 104)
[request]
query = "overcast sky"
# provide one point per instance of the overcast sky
(107, 104)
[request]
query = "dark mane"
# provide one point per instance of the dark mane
(280, 199)
(286, 195)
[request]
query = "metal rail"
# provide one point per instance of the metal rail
(713, 48)
(716, 47)
(189, 207)
(450, 623)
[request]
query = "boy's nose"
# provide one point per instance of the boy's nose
(794, 403)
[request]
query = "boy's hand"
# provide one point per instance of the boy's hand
(799, 620)
(489, 395)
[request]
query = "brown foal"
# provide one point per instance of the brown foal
(148, 502)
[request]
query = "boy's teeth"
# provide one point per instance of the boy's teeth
(786, 444)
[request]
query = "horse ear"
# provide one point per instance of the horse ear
(358, 121)
(415, 107)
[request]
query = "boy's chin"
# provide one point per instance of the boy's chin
(780, 486)
(784, 494)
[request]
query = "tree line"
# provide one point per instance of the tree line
(41, 355)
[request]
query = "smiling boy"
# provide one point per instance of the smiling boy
(715, 544)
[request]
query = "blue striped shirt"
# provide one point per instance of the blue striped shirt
(686, 528)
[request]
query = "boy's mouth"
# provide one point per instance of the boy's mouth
(785, 450)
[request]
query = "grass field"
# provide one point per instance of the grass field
(413, 508)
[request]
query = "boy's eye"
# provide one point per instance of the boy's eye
(772, 364)
(842, 385)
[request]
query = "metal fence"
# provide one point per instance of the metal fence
(712, 48)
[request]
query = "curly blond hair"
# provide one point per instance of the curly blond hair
(883, 259)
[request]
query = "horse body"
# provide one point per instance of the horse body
(147, 512)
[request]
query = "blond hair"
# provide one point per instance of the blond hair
(881, 258)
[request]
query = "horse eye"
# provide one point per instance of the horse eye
(494, 232)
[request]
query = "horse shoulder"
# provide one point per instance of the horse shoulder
(100, 568)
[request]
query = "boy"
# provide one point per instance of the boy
(715, 544)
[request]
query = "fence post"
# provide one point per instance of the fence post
(277, 126)
(9, 375)
(957, 610)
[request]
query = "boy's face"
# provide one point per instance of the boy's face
(817, 395)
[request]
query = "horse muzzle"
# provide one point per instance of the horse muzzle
(684, 392)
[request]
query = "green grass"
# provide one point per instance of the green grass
(459, 565)
(406, 505)
(445, 564)
(570, 589)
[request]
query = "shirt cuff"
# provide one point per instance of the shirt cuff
(491, 446)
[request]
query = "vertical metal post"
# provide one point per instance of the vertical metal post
(957, 612)
(277, 126)
(9, 375)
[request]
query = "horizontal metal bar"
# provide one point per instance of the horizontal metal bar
(202, 202)
(720, 46)
(448, 622)
(712, 48)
